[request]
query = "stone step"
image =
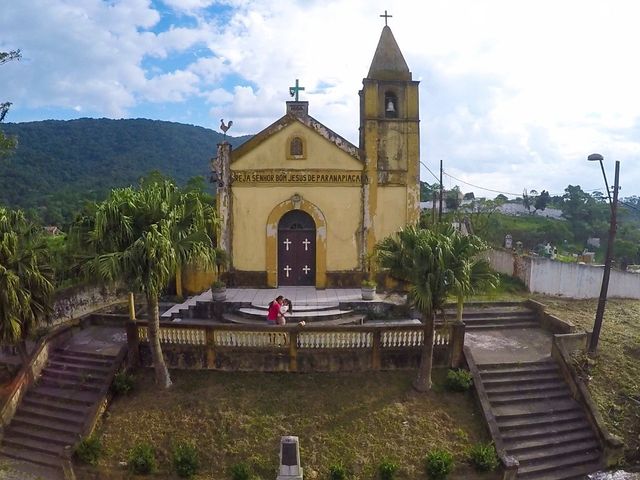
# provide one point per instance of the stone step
(536, 412)
(45, 423)
(73, 375)
(507, 368)
(50, 461)
(64, 395)
(301, 308)
(75, 367)
(45, 412)
(530, 396)
(309, 315)
(89, 362)
(62, 409)
(488, 318)
(583, 436)
(471, 314)
(57, 439)
(500, 326)
(519, 378)
(543, 454)
(69, 384)
(352, 319)
(549, 428)
(82, 354)
(26, 443)
(534, 387)
(575, 472)
(545, 465)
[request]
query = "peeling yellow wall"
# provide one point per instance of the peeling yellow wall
(320, 153)
(391, 214)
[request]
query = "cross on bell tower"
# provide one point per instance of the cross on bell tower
(386, 17)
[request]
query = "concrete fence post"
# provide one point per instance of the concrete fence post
(293, 351)
(457, 344)
(133, 343)
(376, 360)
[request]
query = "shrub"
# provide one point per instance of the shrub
(142, 459)
(459, 380)
(88, 450)
(483, 457)
(185, 459)
(122, 383)
(338, 472)
(438, 464)
(388, 470)
(218, 284)
(369, 284)
(240, 471)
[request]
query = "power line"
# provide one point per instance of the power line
(481, 188)
(429, 170)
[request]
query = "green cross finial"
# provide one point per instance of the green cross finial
(386, 17)
(293, 91)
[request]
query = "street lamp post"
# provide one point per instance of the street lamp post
(613, 203)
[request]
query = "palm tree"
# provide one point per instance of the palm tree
(471, 272)
(25, 279)
(420, 259)
(141, 237)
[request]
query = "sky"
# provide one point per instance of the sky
(514, 94)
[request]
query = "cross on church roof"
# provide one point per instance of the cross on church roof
(386, 17)
(295, 90)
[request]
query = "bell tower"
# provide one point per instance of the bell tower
(390, 143)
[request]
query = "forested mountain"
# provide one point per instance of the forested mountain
(59, 165)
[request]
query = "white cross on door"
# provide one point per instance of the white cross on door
(287, 242)
(287, 269)
(306, 269)
(306, 244)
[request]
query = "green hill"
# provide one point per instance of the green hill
(59, 165)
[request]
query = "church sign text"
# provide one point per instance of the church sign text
(307, 177)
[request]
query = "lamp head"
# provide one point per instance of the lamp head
(595, 157)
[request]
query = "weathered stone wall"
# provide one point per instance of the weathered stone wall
(77, 301)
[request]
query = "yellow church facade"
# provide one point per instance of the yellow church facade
(300, 205)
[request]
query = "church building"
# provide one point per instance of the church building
(300, 205)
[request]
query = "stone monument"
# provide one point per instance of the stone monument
(290, 468)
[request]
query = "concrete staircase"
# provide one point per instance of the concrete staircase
(498, 316)
(540, 423)
(54, 410)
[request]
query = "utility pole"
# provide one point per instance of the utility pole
(597, 326)
(441, 193)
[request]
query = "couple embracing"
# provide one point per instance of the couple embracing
(278, 309)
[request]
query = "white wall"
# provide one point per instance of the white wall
(572, 280)
(501, 261)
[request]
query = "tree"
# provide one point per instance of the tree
(140, 237)
(419, 257)
(25, 279)
(542, 201)
(453, 197)
(7, 143)
(471, 273)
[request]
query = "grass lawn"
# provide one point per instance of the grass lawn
(357, 419)
(615, 374)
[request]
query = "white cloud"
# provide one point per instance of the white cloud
(513, 94)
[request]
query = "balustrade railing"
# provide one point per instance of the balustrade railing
(308, 337)
(293, 340)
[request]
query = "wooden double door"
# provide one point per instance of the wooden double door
(296, 249)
